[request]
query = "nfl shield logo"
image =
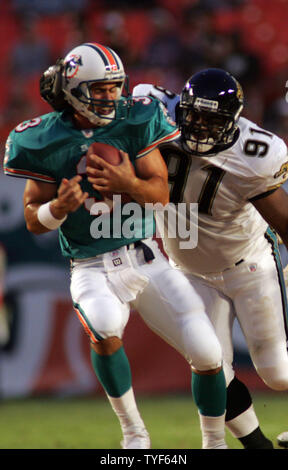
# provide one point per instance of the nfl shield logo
(253, 268)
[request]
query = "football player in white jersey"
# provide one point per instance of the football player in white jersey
(232, 169)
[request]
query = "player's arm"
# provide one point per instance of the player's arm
(152, 182)
(274, 209)
(46, 207)
(148, 184)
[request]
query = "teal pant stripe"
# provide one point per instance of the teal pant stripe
(113, 372)
(209, 393)
(87, 325)
(272, 239)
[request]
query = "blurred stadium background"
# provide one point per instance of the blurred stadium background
(44, 350)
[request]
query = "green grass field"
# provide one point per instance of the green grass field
(89, 423)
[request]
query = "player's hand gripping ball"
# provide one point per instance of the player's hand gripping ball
(107, 152)
(111, 155)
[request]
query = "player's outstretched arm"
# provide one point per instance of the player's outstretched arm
(274, 209)
(58, 203)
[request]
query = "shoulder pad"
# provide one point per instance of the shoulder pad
(36, 133)
(143, 109)
(168, 98)
(264, 151)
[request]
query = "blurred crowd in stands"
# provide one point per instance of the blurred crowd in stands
(160, 41)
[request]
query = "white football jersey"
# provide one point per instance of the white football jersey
(168, 98)
(229, 226)
(222, 185)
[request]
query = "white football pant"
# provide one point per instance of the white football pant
(250, 291)
(168, 304)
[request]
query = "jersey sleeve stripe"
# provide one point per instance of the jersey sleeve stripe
(28, 174)
(168, 138)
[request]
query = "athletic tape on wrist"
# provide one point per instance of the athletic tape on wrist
(46, 218)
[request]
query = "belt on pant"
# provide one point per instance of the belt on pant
(147, 252)
(239, 262)
(235, 264)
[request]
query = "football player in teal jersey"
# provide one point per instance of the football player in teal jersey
(112, 272)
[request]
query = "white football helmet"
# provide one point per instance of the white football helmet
(85, 65)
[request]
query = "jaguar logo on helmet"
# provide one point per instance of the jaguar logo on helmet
(72, 66)
(240, 94)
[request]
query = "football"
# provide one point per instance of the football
(111, 155)
(107, 152)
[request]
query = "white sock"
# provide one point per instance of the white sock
(213, 431)
(126, 409)
(243, 424)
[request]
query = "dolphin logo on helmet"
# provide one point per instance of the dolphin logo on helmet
(72, 67)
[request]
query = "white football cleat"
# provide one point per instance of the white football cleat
(282, 439)
(136, 438)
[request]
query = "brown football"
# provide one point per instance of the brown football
(111, 155)
(107, 152)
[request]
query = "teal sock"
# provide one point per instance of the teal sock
(113, 372)
(209, 392)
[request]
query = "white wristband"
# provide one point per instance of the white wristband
(46, 218)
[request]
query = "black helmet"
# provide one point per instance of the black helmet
(210, 104)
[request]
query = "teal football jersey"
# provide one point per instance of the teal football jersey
(49, 148)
